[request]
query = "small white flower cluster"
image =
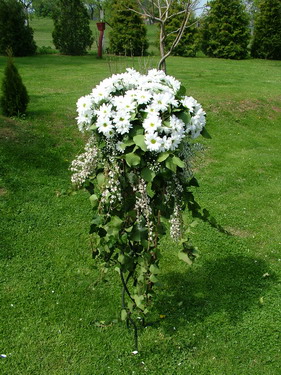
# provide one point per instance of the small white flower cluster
(117, 102)
(176, 223)
(111, 193)
(84, 164)
(143, 209)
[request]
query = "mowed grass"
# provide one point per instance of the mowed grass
(219, 317)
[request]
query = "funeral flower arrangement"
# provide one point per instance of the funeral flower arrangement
(137, 168)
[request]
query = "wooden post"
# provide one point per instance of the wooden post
(101, 28)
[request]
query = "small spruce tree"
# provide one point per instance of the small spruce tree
(266, 42)
(225, 30)
(72, 34)
(128, 33)
(14, 30)
(14, 99)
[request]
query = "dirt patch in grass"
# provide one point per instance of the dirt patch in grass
(7, 133)
(3, 192)
(238, 232)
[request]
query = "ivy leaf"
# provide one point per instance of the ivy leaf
(171, 165)
(100, 179)
(138, 300)
(153, 278)
(136, 130)
(178, 162)
(193, 182)
(183, 256)
(182, 91)
(139, 141)
(184, 116)
(149, 190)
(205, 133)
(162, 157)
(123, 314)
(94, 200)
(132, 159)
(147, 174)
(154, 269)
(126, 143)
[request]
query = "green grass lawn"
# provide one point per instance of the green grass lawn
(219, 317)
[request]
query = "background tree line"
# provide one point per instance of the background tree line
(226, 29)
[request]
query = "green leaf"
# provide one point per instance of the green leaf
(193, 182)
(137, 130)
(126, 143)
(94, 200)
(149, 190)
(138, 300)
(182, 91)
(183, 256)
(205, 133)
(153, 278)
(139, 141)
(184, 116)
(154, 269)
(132, 159)
(178, 162)
(100, 179)
(147, 174)
(171, 165)
(124, 314)
(163, 156)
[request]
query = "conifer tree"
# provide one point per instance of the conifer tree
(267, 31)
(14, 31)
(14, 99)
(72, 34)
(225, 30)
(128, 33)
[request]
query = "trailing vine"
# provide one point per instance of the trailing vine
(137, 169)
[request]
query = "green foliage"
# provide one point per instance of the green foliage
(128, 33)
(14, 98)
(44, 8)
(188, 45)
(225, 30)
(14, 32)
(267, 31)
(72, 34)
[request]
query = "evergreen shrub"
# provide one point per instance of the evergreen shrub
(267, 31)
(14, 99)
(225, 31)
(128, 33)
(14, 30)
(72, 34)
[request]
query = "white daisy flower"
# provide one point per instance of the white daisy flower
(153, 142)
(152, 123)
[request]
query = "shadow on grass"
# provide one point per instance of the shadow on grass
(24, 150)
(230, 285)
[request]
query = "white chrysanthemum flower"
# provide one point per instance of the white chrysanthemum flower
(152, 123)
(142, 96)
(162, 101)
(101, 92)
(104, 110)
(104, 123)
(189, 102)
(84, 103)
(175, 140)
(151, 110)
(177, 124)
(174, 83)
(153, 142)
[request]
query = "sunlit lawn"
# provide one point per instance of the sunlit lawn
(219, 317)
